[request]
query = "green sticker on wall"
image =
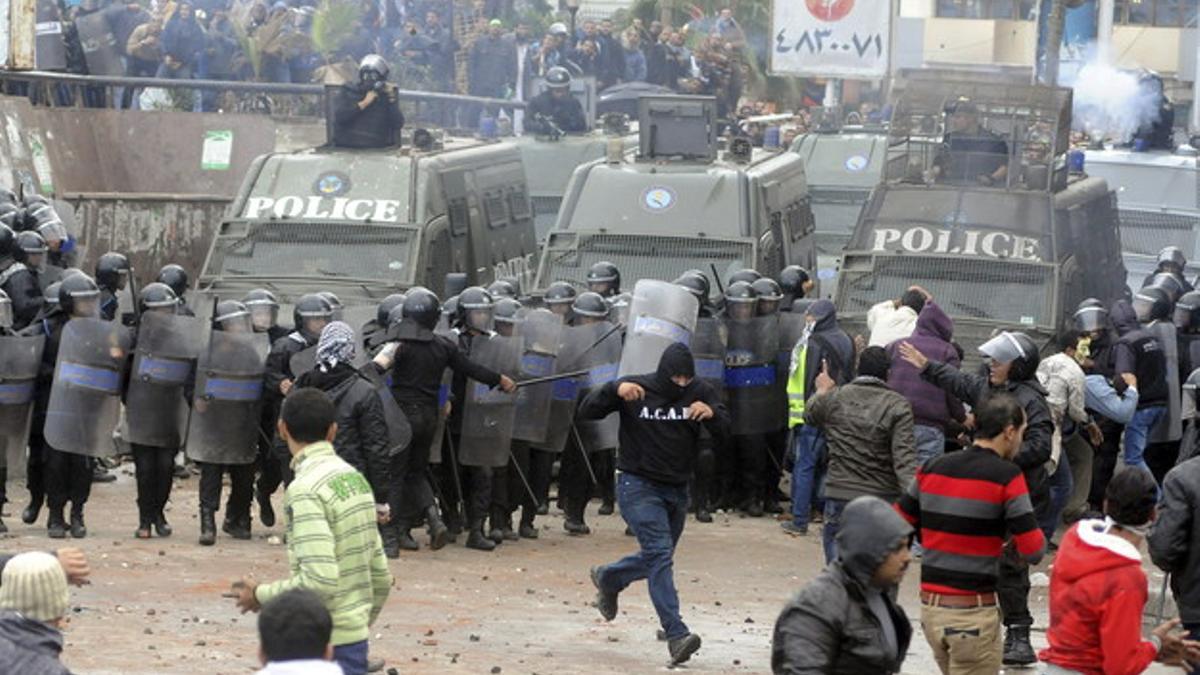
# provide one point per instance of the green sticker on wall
(218, 148)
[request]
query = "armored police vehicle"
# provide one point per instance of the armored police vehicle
(366, 223)
(1159, 204)
(676, 205)
(977, 205)
(842, 165)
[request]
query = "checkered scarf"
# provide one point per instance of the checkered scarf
(335, 346)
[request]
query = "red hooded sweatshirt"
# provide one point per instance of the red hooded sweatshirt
(1097, 592)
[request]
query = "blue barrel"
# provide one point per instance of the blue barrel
(1075, 161)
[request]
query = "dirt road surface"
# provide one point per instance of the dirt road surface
(156, 606)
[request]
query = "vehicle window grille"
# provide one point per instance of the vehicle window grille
(1148, 232)
(567, 258)
(318, 249)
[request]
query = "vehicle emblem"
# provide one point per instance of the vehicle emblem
(658, 198)
(332, 184)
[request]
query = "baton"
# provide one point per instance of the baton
(133, 293)
(717, 278)
(532, 497)
(552, 378)
(582, 451)
(462, 501)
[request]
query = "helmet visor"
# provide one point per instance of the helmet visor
(1003, 348)
(1183, 315)
(1089, 319)
(263, 316)
(237, 322)
(1143, 307)
(479, 319)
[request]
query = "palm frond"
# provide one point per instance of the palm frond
(334, 25)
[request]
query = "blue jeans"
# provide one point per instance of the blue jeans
(1061, 486)
(352, 658)
(808, 474)
(656, 513)
(1137, 435)
(931, 442)
(833, 519)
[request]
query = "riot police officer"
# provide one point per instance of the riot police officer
(604, 278)
(20, 280)
(796, 282)
(176, 278)
(745, 274)
(263, 307)
(502, 288)
(559, 297)
(507, 488)
(112, 275)
(155, 402)
(697, 284)
(555, 111)
(374, 332)
(366, 113)
(1187, 323)
(1171, 260)
(230, 317)
(64, 477)
(335, 302)
(416, 364)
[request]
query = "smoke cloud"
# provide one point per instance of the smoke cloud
(1112, 103)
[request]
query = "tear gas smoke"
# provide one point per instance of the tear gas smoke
(1113, 103)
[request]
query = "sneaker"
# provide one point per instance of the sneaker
(605, 602)
(793, 529)
(681, 649)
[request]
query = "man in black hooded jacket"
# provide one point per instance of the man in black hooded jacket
(661, 416)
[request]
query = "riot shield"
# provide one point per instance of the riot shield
(751, 376)
(660, 315)
(541, 333)
(619, 307)
(399, 430)
(1170, 428)
(20, 359)
(226, 403)
(708, 350)
(49, 275)
(85, 401)
(488, 413)
(156, 412)
(50, 45)
(100, 48)
(597, 349)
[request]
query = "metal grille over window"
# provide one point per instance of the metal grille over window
(277, 249)
(1148, 232)
(569, 256)
(1001, 290)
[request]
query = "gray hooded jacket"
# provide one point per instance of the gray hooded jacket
(829, 627)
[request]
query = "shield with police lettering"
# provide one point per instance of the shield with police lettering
(20, 360)
(660, 315)
(226, 403)
(541, 334)
(156, 410)
(85, 400)
(751, 375)
(50, 45)
(100, 48)
(708, 350)
(1170, 427)
(489, 412)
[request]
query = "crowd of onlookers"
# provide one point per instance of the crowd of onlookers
(478, 47)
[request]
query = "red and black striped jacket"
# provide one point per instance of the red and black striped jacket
(965, 505)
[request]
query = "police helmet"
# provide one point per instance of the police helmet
(502, 288)
(373, 68)
(232, 317)
(792, 280)
(36, 214)
(75, 291)
(28, 244)
(1187, 312)
(158, 296)
(7, 239)
(421, 306)
(474, 309)
(745, 274)
(1091, 315)
(7, 196)
(590, 304)
(308, 307)
(558, 78)
(558, 28)
(384, 310)
(1152, 303)
(559, 293)
(1172, 255)
(33, 198)
(111, 269)
(335, 302)
(1169, 282)
(53, 231)
(50, 295)
(741, 300)
(6, 311)
(263, 307)
(696, 284)
(606, 276)
(769, 295)
(1016, 348)
(396, 315)
(506, 311)
(450, 308)
(9, 214)
(174, 276)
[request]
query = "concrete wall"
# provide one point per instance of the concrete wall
(136, 179)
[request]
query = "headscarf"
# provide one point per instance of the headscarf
(335, 346)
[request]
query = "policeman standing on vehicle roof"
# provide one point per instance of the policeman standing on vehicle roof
(1171, 260)
(970, 153)
(556, 110)
(366, 114)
